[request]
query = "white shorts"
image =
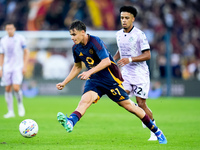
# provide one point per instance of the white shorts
(10, 78)
(139, 90)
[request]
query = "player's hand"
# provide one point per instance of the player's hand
(85, 75)
(24, 70)
(123, 62)
(60, 86)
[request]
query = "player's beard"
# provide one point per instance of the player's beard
(125, 28)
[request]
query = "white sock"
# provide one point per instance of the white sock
(19, 97)
(9, 100)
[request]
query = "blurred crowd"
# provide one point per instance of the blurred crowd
(178, 19)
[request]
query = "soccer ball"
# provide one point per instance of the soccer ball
(28, 128)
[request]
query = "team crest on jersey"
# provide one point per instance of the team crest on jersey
(131, 39)
(91, 51)
(81, 54)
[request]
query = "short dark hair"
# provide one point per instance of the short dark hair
(9, 23)
(78, 25)
(129, 9)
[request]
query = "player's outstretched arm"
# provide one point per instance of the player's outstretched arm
(116, 56)
(73, 73)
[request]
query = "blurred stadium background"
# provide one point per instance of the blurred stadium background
(171, 26)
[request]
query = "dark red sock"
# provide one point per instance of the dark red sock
(75, 117)
(149, 123)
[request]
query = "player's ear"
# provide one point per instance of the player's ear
(82, 31)
(133, 19)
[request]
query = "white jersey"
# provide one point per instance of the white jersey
(131, 45)
(13, 50)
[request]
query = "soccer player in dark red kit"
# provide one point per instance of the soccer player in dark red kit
(102, 77)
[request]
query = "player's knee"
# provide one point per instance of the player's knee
(16, 88)
(85, 103)
(8, 89)
(142, 104)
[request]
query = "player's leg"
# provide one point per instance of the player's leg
(17, 78)
(142, 104)
(9, 101)
(131, 107)
(7, 82)
(119, 95)
(141, 93)
(86, 100)
(19, 96)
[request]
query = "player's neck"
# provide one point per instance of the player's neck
(127, 30)
(85, 39)
(11, 35)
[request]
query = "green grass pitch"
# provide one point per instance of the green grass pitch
(105, 126)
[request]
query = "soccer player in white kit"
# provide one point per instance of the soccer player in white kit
(13, 61)
(134, 50)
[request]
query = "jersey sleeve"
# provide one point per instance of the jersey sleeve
(100, 48)
(75, 55)
(23, 42)
(144, 44)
